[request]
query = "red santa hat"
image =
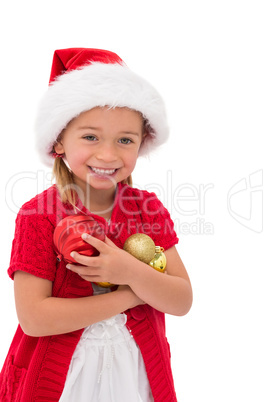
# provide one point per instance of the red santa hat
(82, 79)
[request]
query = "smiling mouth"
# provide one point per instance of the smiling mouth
(104, 172)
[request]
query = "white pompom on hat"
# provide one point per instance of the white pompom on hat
(82, 79)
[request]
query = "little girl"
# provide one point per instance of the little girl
(78, 341)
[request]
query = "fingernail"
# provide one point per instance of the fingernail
(85, 236)
(68, 266)
(72, 254)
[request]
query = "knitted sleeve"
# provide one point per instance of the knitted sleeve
(32, 248)
(161, 224)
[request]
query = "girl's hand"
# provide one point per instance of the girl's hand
(113, 265)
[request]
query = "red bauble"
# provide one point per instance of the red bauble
(67, 236)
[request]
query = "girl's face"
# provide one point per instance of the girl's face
(101, 146)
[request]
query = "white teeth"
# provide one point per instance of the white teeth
(103, 171)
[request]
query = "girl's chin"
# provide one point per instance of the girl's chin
(102, 182)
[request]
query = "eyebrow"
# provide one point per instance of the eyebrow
(88, 127)
(98, 129)
(129, 132)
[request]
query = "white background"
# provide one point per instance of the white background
(209, 61)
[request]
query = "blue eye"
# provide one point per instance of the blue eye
(125, 141)
(90, 137)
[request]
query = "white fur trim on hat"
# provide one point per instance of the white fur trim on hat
(97, 84)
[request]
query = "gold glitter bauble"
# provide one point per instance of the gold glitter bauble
(140, 246)
(104, 284)
(159, 261)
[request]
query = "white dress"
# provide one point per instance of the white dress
(107, 365)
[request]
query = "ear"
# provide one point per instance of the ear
(58, 147)
(144, 135)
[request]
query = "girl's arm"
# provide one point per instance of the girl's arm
(171, 293)
(40, 314)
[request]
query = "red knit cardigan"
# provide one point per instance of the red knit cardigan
(35, 368)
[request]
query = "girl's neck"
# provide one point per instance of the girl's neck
(100, 202)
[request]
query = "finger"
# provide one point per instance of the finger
(87, 278)
(87, 273)
(82, 270)
(95, 279)
(85, 259)
(93, 241)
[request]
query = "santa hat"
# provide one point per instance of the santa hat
(82, 79)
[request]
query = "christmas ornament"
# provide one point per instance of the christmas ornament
(159, 261)
(104, 284)
(140, 246)
(67, 236)
(143, 248)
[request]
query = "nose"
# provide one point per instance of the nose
(106, 153)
